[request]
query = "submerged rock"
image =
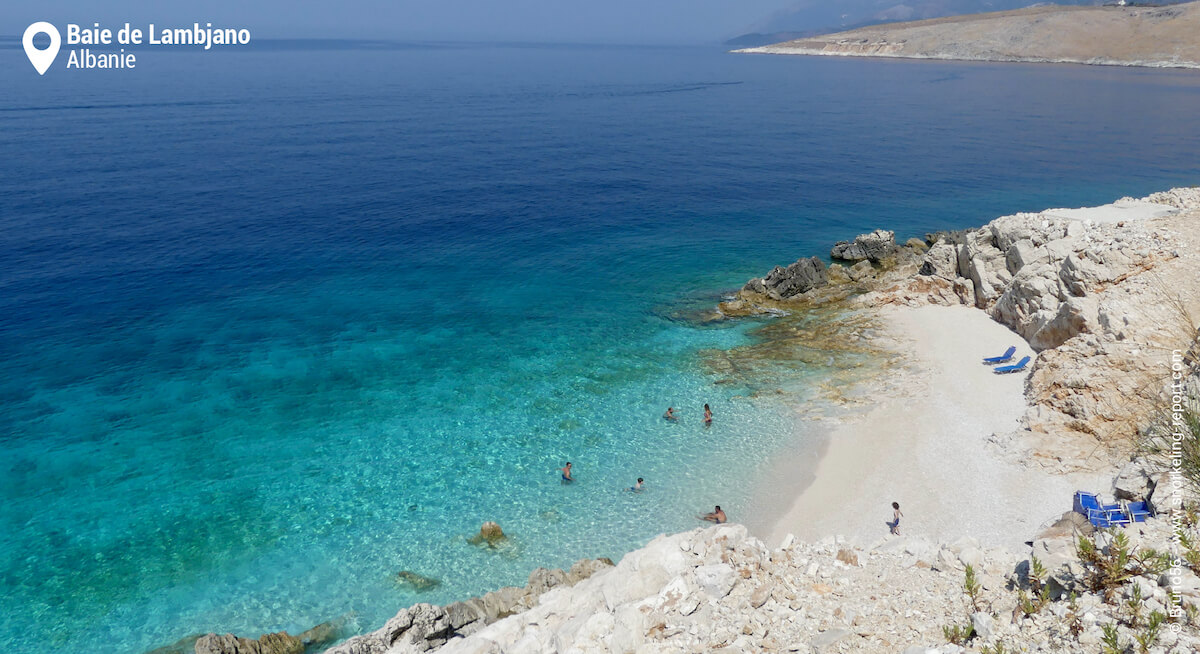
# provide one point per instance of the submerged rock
(489, 534)
(277, 643)
(419, 583)
(182, 646)
(424, 627)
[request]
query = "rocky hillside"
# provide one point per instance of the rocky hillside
(1110, 35)
(1105, 294)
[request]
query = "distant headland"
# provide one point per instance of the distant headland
(1115, 35)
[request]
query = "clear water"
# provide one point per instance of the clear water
(276, 325)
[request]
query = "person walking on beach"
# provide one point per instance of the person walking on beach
(896, 515)
(566, 473)
(670, 415)
(717, 516)
(707, 416)
(636, 488)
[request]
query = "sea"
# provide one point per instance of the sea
(280, 323)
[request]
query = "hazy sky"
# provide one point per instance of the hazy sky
(621, 21)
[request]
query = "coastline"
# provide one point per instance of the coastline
(943, 436)
(1095, 61)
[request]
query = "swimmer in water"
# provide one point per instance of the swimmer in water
(717, 516)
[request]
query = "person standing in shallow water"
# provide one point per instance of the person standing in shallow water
(670, 415)
(637, 488)
(896, 515)
(707, 416)
(566, 473)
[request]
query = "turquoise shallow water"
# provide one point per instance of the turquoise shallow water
(272, 331)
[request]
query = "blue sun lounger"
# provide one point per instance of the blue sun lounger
(1003, 358)
(1016, 367)
(1103, 516)
(1138, 511)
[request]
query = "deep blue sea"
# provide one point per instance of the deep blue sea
(278, 324)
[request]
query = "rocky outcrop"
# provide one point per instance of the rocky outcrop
(783, 283)
(873, 247)
(423, 627)
(1102, 293)
(276, 643)
(718, 589)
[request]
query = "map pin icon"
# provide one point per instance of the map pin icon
(41, 59)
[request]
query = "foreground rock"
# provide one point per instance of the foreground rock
(719, 589)
(423, 627)
(1111, 35)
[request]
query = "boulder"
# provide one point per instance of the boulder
(490, 534)
(837, 274)
(783, 283)
(861, 270)
(1133, 483)
(940, 261)
(1067, 526)
(1078, 315)
(873, 247)
(716, 580)
(1023, 253)
(983, 624)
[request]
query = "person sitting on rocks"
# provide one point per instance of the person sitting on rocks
(637, 488)
(670, 415)
(717, 516)
(566, 473)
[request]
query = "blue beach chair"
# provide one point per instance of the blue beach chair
(1138, 511)
(1016, 367)
(1102, 516)
(1003, 358)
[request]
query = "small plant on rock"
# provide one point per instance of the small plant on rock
(1074, 618)
(1111, 641)
(1149, 636)
(1191, 553)
(1109, 568)
(971, 585)
(958, 635)
(1192, 613)
(997, 649)
(1133, 607)
(1039, 596)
